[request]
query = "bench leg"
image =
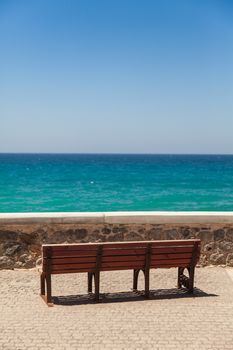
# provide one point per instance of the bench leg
(97, 286)
(49, 290)
(42, 284)
(185, 281)
(46, 295)
(191, 279)
(89, 281)
(180, 272)
(135, 279)
(147, 283)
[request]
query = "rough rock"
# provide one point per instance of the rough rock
(116, 237)
(6, 262)
(187, 233)
(205, 235)
(226, 246)
(18, 265)
(29, 264)
(217, 259)
(229, 234)
(12, 250)
(172, 234)
(39, 262)
(229, 260)
(209, 247)
(106, 231)
(154, 233)
(23, 258)
(133, 236)
(219, 234)
(119, 229)
(6, 235)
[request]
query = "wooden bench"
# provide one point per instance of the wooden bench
(93, 258)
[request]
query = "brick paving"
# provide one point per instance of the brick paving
(171, 319)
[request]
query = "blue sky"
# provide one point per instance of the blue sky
(116, 76)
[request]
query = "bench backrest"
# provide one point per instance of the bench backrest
(88, 257)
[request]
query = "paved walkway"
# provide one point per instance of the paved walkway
(170, 320)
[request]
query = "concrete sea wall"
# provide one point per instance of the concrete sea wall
(21, 235)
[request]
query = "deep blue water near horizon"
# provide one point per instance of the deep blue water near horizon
(115, 182)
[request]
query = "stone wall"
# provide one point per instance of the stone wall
(21, 236)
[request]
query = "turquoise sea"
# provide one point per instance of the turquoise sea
(107, 182)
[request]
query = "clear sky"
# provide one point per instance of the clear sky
(125, 76)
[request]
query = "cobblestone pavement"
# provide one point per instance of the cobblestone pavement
(171, 319)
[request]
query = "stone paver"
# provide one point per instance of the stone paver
(171, 319)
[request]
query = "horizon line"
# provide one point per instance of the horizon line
(116, 153)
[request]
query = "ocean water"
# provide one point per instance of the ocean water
(95, 182)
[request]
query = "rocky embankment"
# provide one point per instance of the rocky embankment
(20, 245)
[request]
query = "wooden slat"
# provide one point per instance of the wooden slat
(61, 271)
(115, 264)
(170, 265)
(125, 245)
(132, 264)
(114, 268)
(112, 244)
(71, 247)
(173, 243)
(61, 251)
(75, 260)
(171, 256)
(123, 258)
(170, 250)
(177, 262)
(123, 252)
(90, 270)
(73, 254)
(73, 266)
